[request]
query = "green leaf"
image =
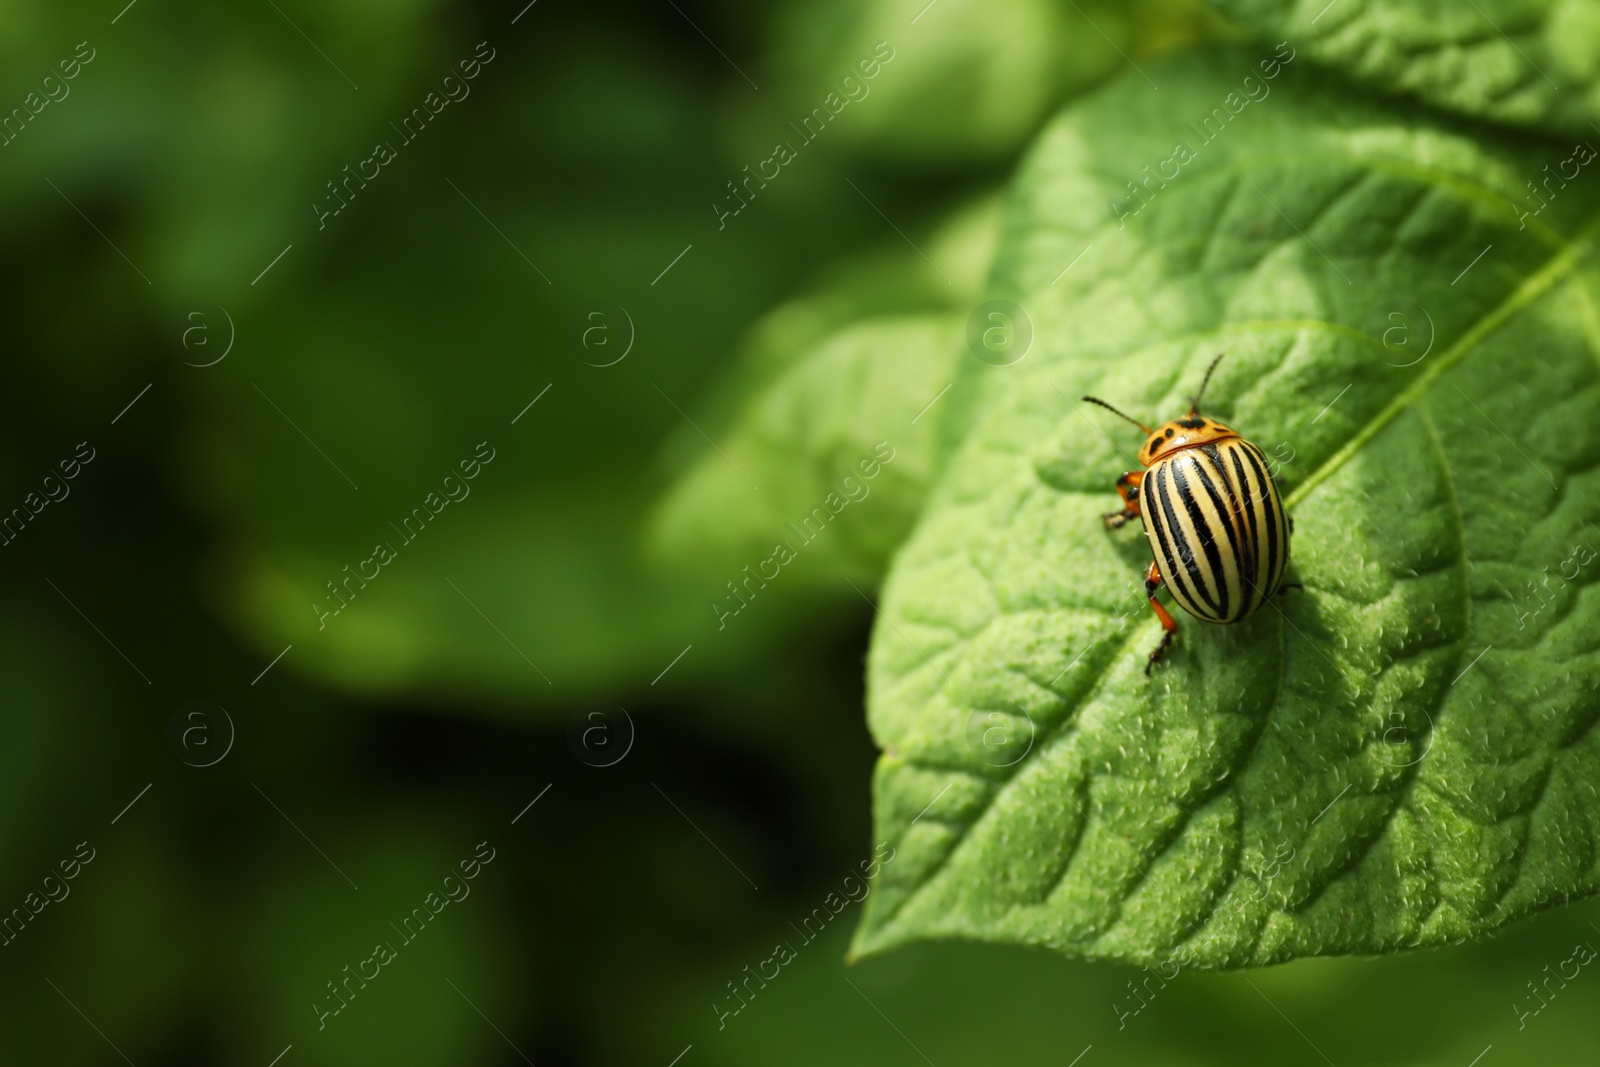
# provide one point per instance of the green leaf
(1400, 754)
(968, 80)
(1532, 63)
(807, 437)
(821, 381)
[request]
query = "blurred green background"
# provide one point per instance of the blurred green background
(551, 619)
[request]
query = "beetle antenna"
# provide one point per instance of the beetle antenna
(1114, 411)
(1194, 409)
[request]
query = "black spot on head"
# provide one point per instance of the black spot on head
(1192, 424)
(1169, 432)
(1155, 443)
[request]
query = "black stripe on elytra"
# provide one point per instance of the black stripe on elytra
(1269, 510)
(1208, 538)
(1232, 520)
(1158, 500)
(1249, 506)
(1275, 504)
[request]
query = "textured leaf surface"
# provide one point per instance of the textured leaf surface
(1401, 754)
(1532, 63)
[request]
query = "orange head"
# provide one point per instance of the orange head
(1183, 433)
(1178, 434)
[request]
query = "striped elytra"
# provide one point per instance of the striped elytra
(1217, 528)
(1212, 513)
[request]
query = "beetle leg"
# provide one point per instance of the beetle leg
(1291, 522)
(1152, 582)
(1128, 490)
(1286, 586)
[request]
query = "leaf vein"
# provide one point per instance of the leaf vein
(1536, 286)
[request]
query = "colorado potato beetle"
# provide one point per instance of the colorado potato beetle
(1212, 514)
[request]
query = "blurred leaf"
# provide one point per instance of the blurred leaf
(810, 447)
(890, 280)
(530, 590)
(830, 378)
(966, 1003)
(443, 966)
(968, 80)
(202, 162)
(46, 725)
(1401, 754)
(1533, 63)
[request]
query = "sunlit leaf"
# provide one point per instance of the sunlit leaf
(1400, 754)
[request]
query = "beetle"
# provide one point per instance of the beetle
(1211, 511)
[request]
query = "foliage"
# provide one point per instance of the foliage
(831, 313)
(1045, 790)
(1530, 64)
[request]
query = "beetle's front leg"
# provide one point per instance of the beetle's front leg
(1128, 490)
(1152, 582)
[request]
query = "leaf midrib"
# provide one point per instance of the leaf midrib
(1557, 268)
(1532, 288)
